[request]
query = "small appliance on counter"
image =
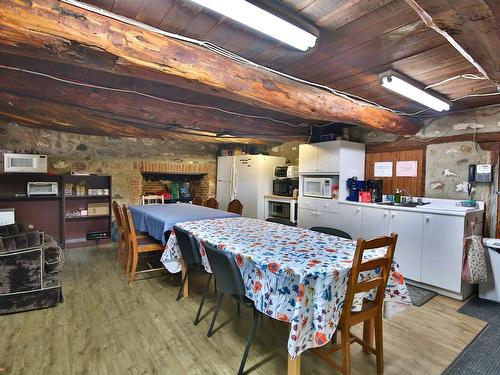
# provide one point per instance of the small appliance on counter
(285, 187)
(376, 188)
(354, 187)
(286, 171)
(42, 188)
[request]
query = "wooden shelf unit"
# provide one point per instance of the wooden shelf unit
(48, 212)
(76, 228)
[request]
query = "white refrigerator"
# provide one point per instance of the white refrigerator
(247, 178)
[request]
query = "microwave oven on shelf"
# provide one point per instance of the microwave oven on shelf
(42, 188)
(318, 187)
(286, 171)
(285, 187)
(24, 163)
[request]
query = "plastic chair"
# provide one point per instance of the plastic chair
(332, 231)
(230, 282)
(281, 221)
(191, 255)
(153, 199)
(235, 207)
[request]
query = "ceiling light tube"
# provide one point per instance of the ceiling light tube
(263, 21)
(401, 87)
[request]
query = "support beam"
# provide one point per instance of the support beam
(46, 114)
(69, 31)
(136, 108)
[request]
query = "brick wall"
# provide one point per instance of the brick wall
(205, 187)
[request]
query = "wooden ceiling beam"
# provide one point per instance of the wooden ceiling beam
(67, 30)
(42, 113)
(139, 108)
(474, 24)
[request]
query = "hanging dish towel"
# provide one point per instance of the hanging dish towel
(474, 269)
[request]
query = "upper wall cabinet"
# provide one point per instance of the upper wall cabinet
(327, 157)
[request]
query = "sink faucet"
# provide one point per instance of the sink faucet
(407, 193)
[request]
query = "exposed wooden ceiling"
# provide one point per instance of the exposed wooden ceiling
(357, 40)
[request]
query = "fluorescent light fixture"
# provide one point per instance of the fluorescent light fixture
(260, 20)
(401, 87)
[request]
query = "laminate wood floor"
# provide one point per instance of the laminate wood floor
(106, 327)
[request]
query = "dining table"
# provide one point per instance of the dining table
(159, 219)
(291, 274)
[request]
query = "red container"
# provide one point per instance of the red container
(365, 196)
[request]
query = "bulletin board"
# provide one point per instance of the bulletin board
(402, 173)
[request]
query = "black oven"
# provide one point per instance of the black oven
(279, 209)
(285, 187)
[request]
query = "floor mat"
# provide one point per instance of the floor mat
(482, 309)
(420, 296)
(480, 356)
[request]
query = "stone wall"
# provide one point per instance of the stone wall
(122, 158)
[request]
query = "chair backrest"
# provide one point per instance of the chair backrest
(379, 281)
(225, 270)
(235, 207)
(280, 221)
(129, 226)
(332, 231)
(152, 199)
(189, 247)
(118, 217)
(198, 201)
(212, 203)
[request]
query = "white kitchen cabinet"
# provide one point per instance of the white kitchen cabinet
(315, 218)
(349, 220)
(335, 157)
(442, 248)
(409, 228)
(307, 218)
(308, 158)
(375, 222)
(328, 157)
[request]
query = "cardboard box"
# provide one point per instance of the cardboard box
(98, 209)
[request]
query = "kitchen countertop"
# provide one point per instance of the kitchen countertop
(437, 206)
(270, 196)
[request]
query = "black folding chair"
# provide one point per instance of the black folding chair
(191, 255)
(280, 221)
(332, 231)
(230, 282)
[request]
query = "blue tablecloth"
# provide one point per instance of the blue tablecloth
(156, 219)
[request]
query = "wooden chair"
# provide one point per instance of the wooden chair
(371, 311)
(212, 203)
(153, 199)
(137, 246)
(122, 235)
(198, 201)
(235, 207)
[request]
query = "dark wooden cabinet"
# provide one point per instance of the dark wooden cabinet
(55, 214)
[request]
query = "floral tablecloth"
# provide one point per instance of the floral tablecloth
(292, 274)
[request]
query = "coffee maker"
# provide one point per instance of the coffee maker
(377, 188)
(354, 186)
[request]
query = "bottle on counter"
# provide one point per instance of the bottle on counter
(397, 196)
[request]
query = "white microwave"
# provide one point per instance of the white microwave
(318, 187)
(24, 163)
